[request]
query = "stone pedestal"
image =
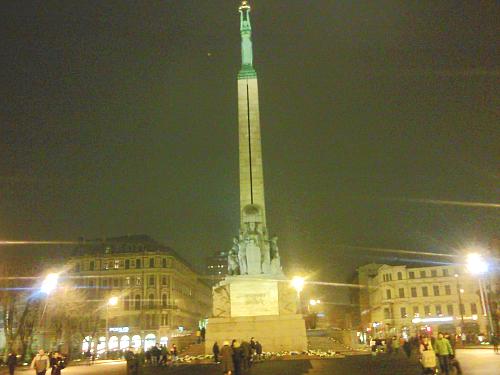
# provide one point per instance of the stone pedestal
(263, 307)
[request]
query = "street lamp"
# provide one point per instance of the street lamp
(478, 266)
(298, 285)
(460, 304)
(112, 301)
(49, 284)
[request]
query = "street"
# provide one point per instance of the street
(479, 361)
(473, 361)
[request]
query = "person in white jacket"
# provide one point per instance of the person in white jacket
(428, 356)
(40, 363)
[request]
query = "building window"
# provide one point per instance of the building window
(438, 310)
(401, 292)
(387, 313)
(138, 281)
(473, 309)
(164, 280)
(436, 290)
(164, 319)
(151, 280)
(449, 310)
(151, 301)
(445, 272)
(91, 265)
(115, 283)
(422, 274)
(400, 275)
(151, 262)
(425, 291)
(164, 300)
(415, 311)
(403, 312)
(413, 292)
(164, 262)
(434, 273)
(127, 264)
(117, 264)
(411, 275)
(126, 303)
(137, 302)
(388, 293)
(447, 290)
(104, 283)
(427, 310)
(127, 281)
(137, 263)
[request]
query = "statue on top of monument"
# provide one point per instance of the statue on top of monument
(252, 252)
(233, 267)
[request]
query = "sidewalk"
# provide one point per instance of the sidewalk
(5, 371)
(475, 347)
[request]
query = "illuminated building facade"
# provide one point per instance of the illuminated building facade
(399, 300)
(159, 295)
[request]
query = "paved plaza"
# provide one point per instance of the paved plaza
(474, 362)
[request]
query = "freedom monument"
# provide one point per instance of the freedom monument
(255, 299)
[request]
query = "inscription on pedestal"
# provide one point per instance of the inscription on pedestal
(250, 298)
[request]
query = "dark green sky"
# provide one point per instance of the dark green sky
(120, 117)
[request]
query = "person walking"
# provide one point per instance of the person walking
(198, 336)
(443, 351)
(226, 355)
(12, 362)
(216, 351)
(494, 341)
(40, 363)
(58, 364)
(258, 349)
(428, 356)
(238, 358)
(247, 356)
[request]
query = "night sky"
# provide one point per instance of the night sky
(120, 117)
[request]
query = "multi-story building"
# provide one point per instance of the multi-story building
(216, 266)
(399, 300)
(145, 292)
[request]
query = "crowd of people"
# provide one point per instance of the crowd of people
(237, 356)
(433, 352)
(41, 363)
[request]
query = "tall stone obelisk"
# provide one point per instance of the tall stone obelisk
(251, 170)
(255, 298)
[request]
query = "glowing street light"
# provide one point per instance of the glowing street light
(314, 302)
(298, 285)
(112, 301)
(476, 264)
(49, 284)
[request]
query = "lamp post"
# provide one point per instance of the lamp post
(49, 284)
(113, 301)
(298, 285)
(477, 265)
(460, 304)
